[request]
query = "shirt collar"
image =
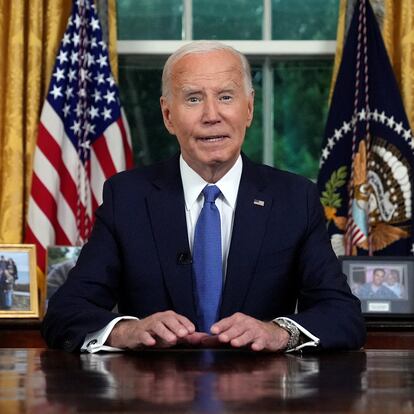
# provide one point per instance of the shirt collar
(193, 184)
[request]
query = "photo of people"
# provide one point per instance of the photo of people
(14, 281)
(378, 282)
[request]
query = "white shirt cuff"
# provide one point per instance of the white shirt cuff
(312, 339)
(94, 341)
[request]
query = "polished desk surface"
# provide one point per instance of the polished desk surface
(217, 381)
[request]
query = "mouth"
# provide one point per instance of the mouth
(212, 138)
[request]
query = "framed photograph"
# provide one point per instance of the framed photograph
(384, 285)
(60, 260)
(18, 281)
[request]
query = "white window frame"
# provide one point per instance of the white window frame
(266, 50)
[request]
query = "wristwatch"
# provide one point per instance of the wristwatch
(293, 331)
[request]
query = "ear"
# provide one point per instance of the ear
(166, 115)
(250, 108)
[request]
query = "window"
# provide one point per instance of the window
(290, 45)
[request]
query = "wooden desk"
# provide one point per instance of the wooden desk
(26, 334)
(40, 381)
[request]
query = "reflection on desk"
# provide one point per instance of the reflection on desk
(205, 381)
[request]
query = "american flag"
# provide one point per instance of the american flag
(83, 137)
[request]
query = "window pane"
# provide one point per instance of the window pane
(139, 84)
(149, 19)
(140, 94)
(304, 19)
(226, 20)
(253, 143)
(301, 105)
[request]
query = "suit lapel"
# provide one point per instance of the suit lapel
(252, 212)
(167, 212)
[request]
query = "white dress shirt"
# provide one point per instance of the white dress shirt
(193, 186)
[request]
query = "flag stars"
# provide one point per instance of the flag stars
(62, 57)
(325, 153)
(76, 39)
(56, 92)
(338, 134)
(72, 75)
(93, 112)
(375, 115)
(97, 95)
(346, 127)
(99, 78)
(59, 74)
(66, 39)
(398, 127)
(391, 122)
(94, 24)
(362, 115)
(382, 117)
(91, 59)
(93, 42)
(110, 97)
(331, 142)
(76, 127)
(66, 110)
(74, 57)
(110, 80)
(69, 92)
(407, 134)
(78, 21)
(102, 60)
(106, 113)
(102, 44)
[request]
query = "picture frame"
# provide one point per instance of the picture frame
(60, 260)
(19, 296)
(384, 285)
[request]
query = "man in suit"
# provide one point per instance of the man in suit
(280, 285)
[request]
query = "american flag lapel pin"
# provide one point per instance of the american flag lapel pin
(259, 203)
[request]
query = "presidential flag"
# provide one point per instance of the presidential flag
(83, 137)
(366, 167)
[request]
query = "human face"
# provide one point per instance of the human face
(208, 110)
(378, 277)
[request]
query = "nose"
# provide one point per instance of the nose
(211, 114)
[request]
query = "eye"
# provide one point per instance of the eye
(226, 98)
(193, 99)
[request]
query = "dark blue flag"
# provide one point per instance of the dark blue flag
(366, 167)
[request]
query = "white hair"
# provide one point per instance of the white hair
(204, 47)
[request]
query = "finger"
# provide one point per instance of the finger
(258, 345)
(223, 324)
(175, 326)
(186, 323)
(146, 339)
(233, 332)
(163, 333)
(244, 339)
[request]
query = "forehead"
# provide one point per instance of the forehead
(215, 67)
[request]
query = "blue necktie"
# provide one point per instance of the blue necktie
(207, 260)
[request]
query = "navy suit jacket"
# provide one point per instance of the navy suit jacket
(138, 257)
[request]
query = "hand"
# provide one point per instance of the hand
(241, 330)
(160, 330)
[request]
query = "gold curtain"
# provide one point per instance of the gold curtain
(398, 35)
(30, 34)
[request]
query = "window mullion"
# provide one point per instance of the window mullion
(187, 31)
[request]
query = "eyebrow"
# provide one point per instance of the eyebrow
(189, 90)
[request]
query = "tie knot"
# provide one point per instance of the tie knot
(211, 192)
